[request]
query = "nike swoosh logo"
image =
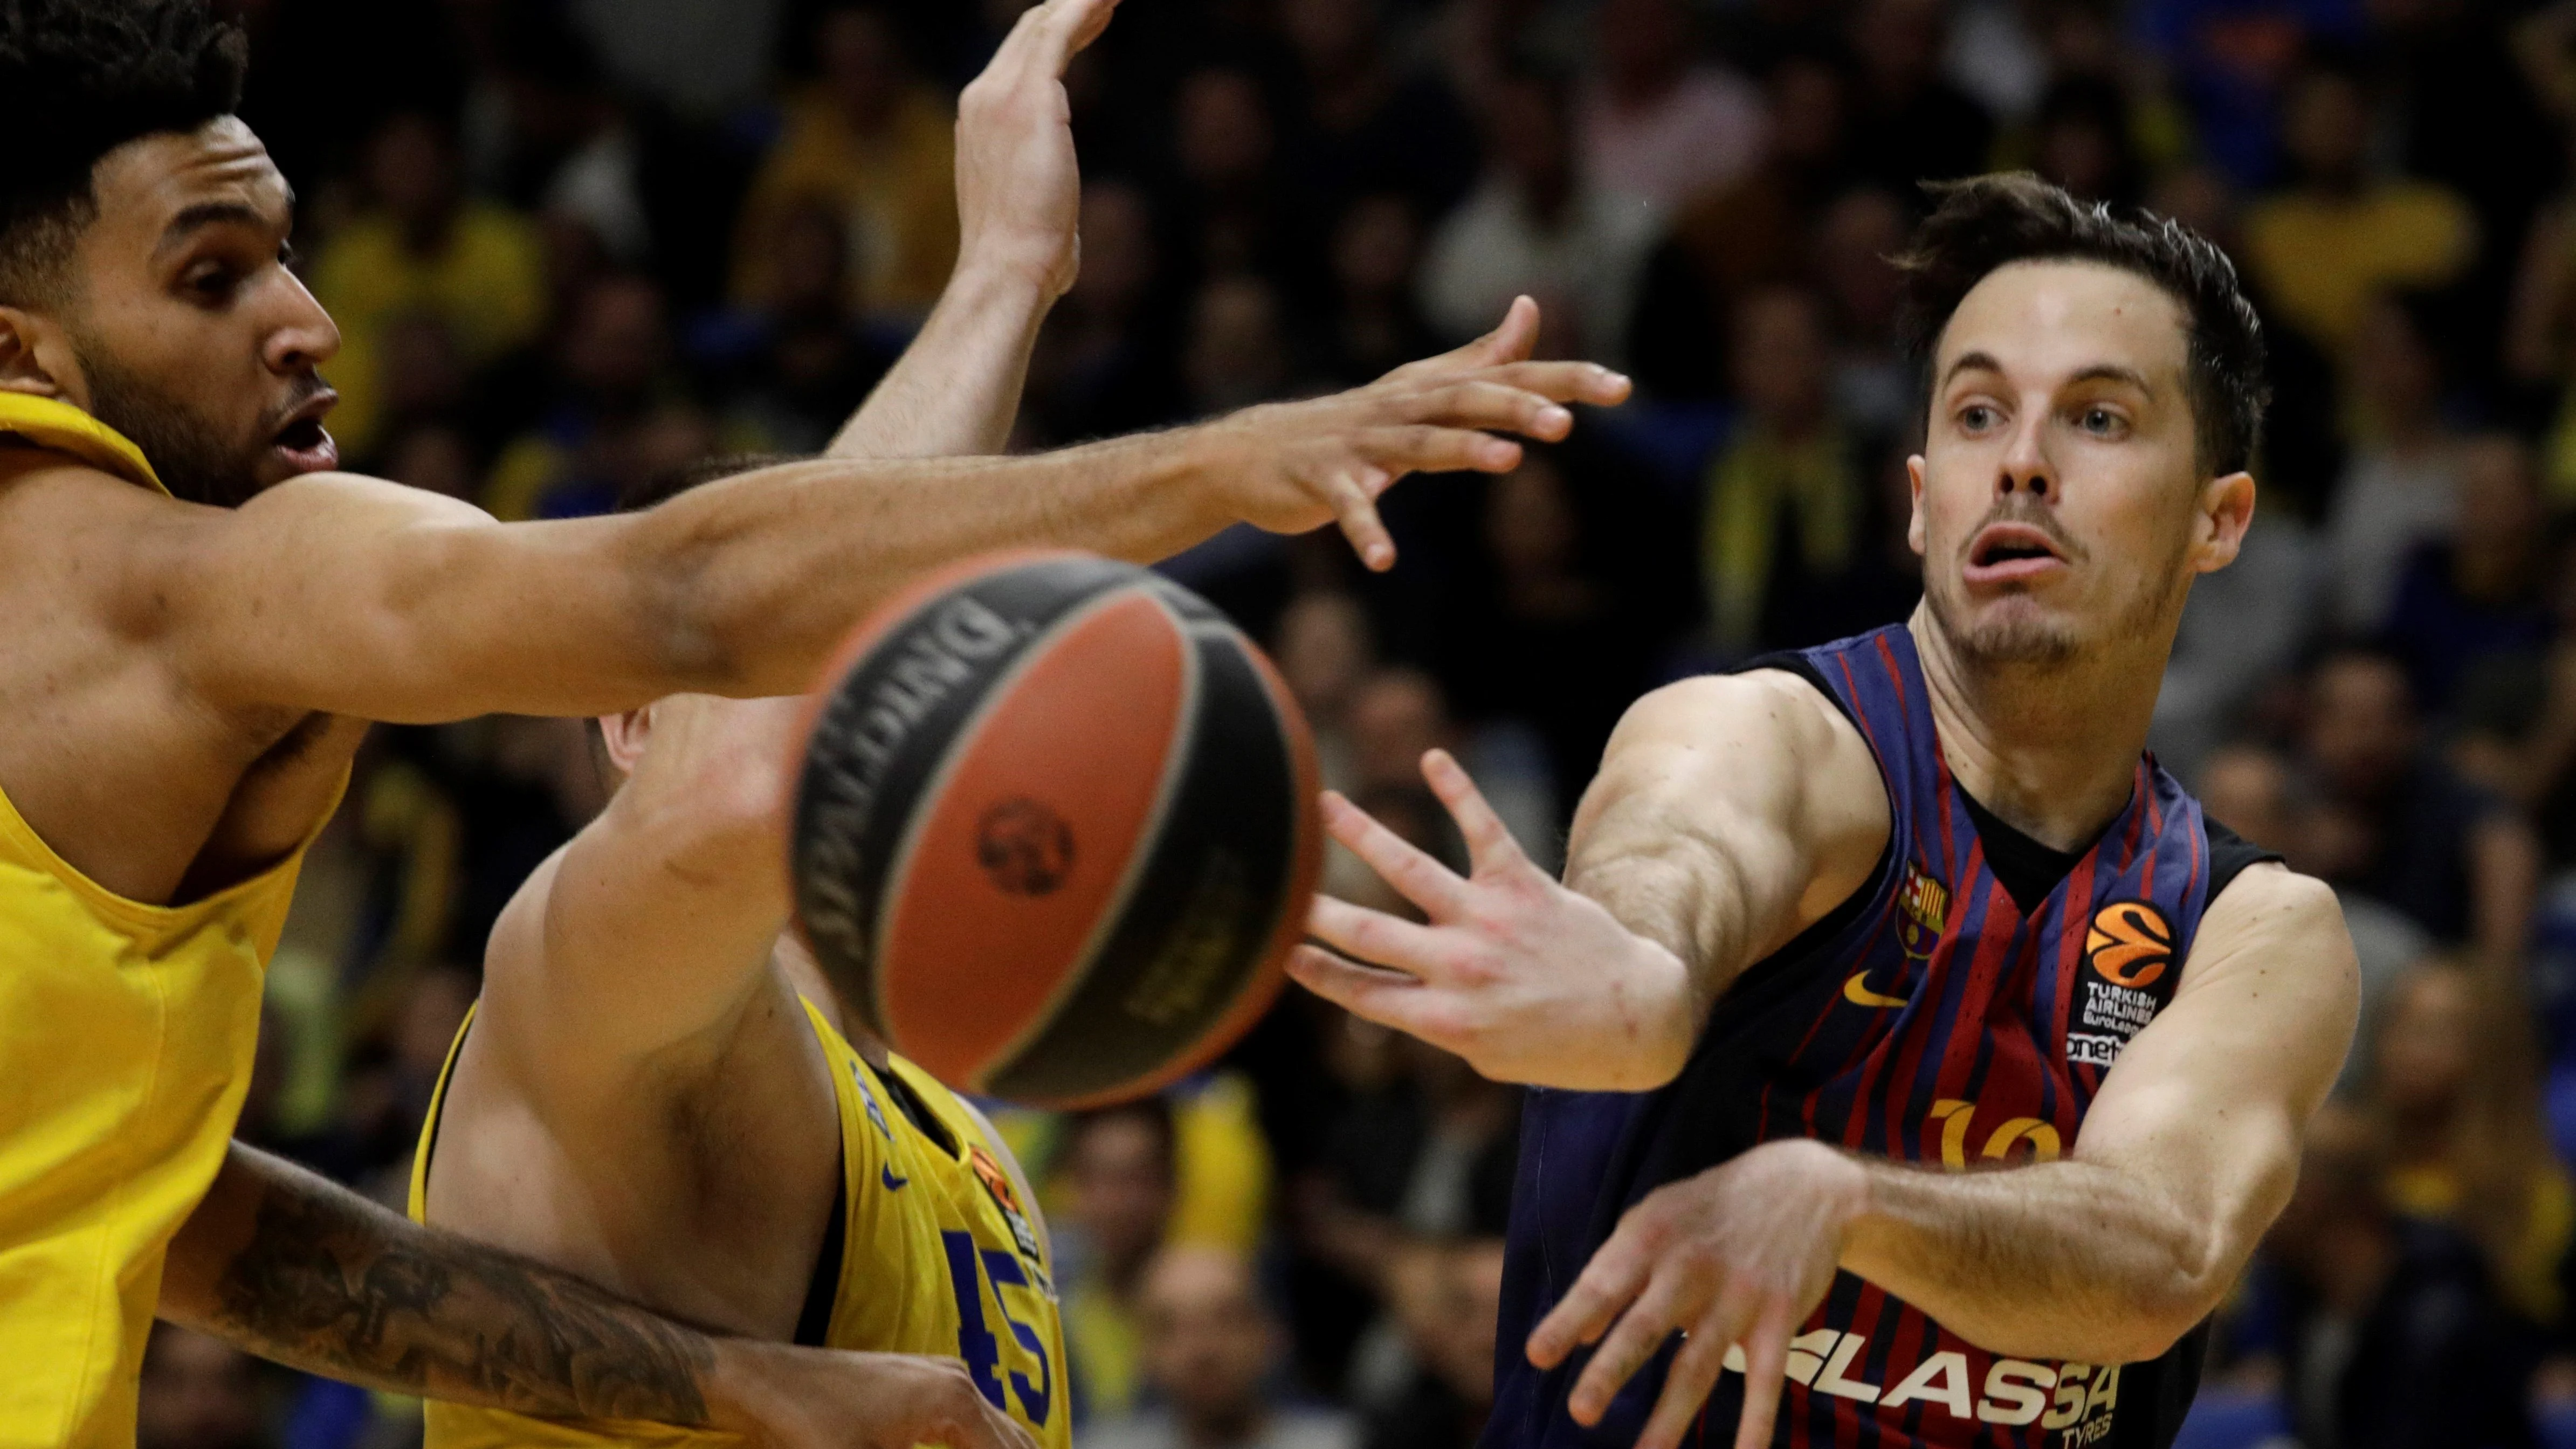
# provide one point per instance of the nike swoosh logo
(886, 1176)
(1860, 995)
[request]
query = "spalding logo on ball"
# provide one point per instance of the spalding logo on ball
(1057, 821)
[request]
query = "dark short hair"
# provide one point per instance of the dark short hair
(1989, 222)
(79, 78)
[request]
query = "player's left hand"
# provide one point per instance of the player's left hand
(1738, 1255)
(1019, 187)
(1529, 981)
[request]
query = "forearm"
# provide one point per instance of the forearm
(2061, 1260)
(297, 1270)
(1698, 904)
(956, 389)
(758, 577)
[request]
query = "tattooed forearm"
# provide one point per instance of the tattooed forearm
(309, 1274)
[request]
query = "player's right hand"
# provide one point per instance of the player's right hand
(807, 1398)
(1528, 981)
(1019, 186)
(1291, 467)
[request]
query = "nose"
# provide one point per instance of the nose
(305, 337)
(2025, 465)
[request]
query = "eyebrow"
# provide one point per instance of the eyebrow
(215, 213)
(2098, 372)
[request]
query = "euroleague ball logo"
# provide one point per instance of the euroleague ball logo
(2130, 944)
(1024, 846)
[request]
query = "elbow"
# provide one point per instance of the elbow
(692, 631)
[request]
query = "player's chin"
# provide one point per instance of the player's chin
(2019, 627)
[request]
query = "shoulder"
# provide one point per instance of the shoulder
(1765, 706)
(2272, 916)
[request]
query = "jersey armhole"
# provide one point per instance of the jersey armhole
(823, 1290)
(1834, 922)
(2229, 856)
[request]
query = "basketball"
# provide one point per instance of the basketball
(1056, 820)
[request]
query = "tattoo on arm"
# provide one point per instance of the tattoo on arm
(326, 1281)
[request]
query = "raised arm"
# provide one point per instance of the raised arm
(297, 1270)
(1730, 813)
(2186, 1156)
(956, 390)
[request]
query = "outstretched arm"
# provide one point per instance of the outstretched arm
(2188, 1153)
(353, 597)
(295, 1269)
(1730, 813)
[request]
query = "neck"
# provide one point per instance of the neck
(2050, 749)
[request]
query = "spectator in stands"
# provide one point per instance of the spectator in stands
(1212, 1351)
(2478, 601)
(871, 141)
(574, 157)
(1120, 1176)
(2242, 633)
(2083, 140)
(199, 1392)
(1752, 234)
(612, 414)
(1104, 363)
(1228, 211)
(1538, 224)
(1873, 385)
(2397, 823)
(1375, 324)
(1325, 649)
(1656, 120)
(1790, 522)
(1363, 122)
(2454, 1090)
(422, 249)
(2339, 232)
(2388, 1331)
(1449, 1298)
(2525, 748)
(2401, 485)
(793, 368)
(1910, 124)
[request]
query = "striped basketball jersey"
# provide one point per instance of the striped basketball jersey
(930, 1251)
(1932, 1018)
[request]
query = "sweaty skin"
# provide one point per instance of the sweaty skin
(2062, 514)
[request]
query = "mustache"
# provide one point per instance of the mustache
(307, 388)
(2023, 509)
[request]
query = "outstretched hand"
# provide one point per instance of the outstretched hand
(1328, 459)
(1019, 186)
(1527, 980)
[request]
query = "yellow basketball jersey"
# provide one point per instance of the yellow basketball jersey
(938, 1256)
(126, 1037)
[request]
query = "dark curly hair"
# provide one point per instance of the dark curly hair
(79, 78)
(1979, 225)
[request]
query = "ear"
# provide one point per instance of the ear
(30, 350)
(1914, 534)
(625, 736)
(2226, 511)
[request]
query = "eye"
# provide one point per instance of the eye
(1976, 417)
(211, 283)
(2101, 422)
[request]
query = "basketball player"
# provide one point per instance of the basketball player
(1839, 927)
(203, 613)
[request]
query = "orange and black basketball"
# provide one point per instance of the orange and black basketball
(1057, 823)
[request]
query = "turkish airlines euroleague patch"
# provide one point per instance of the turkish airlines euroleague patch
(2128, 976)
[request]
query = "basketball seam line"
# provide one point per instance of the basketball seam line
(899, 868)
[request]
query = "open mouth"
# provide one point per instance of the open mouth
(305, 444)
(302, 436)
(2006, 552)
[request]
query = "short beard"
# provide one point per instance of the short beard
(2046, 644)
(188, 455)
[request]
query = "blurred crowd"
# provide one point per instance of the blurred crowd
(574, 245)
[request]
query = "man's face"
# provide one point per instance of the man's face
(184, 330)
(2058, 503)
(1208, 1339)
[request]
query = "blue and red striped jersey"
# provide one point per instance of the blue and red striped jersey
(1930, 1018)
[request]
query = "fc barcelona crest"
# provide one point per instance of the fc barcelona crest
(1922, 909)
